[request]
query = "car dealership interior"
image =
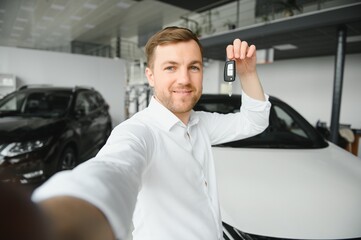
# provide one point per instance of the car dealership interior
(72, 71)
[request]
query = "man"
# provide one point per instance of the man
(157, 167)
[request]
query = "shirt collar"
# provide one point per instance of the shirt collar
(166, 119)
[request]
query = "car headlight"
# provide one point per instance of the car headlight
(18, 148)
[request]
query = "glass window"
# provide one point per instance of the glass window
(287, 123)
(82, 103)
(12, 102)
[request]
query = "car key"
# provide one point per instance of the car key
(230, 74)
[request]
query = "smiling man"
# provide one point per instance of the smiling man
(156, 169)
(176, 76)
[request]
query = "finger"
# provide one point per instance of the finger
(251, 51)
(230, 52)
(236, 47)
(244, 49)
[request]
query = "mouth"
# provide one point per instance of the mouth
(182, 91)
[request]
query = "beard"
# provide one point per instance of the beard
(177, 102)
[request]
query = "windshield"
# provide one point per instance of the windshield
(35, 104)
(287, 128)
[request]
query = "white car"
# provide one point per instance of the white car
(286, 183)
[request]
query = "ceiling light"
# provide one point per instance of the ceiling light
(356, 38)
(77, 18)
(22, 19)
(57, 7)
(90, 6)
(2, 10)
(123, 5)
(56, 34)
(89, 26)
(1, 21)
(41, 27)
(284, 47)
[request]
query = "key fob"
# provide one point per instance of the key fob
(230, 71)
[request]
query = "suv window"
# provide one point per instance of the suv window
(94, 103)
(13, 103)
(51, 103)
(88, 101)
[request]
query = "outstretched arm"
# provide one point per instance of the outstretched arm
(71, 218)
(245, 57)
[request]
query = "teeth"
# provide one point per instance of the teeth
(183, 91)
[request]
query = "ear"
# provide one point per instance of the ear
(150, 76)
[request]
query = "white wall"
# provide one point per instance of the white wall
(108, 76)
(307, 85)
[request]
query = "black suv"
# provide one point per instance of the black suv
(47, 129)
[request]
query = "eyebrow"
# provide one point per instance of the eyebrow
(176, 63)
(169, 62)
(196, 62)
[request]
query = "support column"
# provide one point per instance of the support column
(337, 85)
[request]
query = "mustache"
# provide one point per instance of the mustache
(183, 87)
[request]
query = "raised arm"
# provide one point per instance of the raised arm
(245, 57)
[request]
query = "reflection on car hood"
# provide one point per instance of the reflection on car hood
(19, 128)
(304, 194)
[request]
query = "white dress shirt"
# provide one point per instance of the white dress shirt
(159, 172)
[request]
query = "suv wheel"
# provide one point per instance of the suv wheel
(67, 160)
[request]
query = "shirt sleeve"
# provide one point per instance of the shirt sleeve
(252, 119)
(110, 181)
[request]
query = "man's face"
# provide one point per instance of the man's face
(176, 76)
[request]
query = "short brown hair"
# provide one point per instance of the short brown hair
(166, 36)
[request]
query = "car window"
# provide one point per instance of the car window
(39, 104)
(287, 128)
(93, 101)
(99, 98)
(82, 103)
(46, 103)
(287, 123)
(12, 103)
(217, 107)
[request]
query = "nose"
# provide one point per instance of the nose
(184, 76)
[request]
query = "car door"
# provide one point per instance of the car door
(100, 117)
(84, 109)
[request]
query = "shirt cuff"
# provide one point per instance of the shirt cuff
(255, 104)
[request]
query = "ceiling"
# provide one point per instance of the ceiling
(46, 24)
(314, 34)
(49, 23)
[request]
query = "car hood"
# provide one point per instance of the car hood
(22, 129)
(303, 194)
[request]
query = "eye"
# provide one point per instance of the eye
(169, 68)
(195, 68)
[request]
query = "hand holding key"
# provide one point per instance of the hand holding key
(244, 55)
(245, 61)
